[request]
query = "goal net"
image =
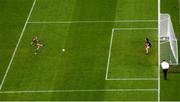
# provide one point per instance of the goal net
(168, 40)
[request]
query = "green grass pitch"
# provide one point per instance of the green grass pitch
(95, 65)
(172, 85)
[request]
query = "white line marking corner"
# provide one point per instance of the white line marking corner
(19, 40)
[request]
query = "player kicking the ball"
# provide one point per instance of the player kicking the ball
(147, 45)
(37, 44)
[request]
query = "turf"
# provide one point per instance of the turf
(12, 19)
(171, 85)
(83, 65)
(123, 66)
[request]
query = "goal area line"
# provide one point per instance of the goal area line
(109, 56)
(131, 79)
(90, 90)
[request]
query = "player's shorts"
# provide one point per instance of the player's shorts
(147, 47)
(39, 45)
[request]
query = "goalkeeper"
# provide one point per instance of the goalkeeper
(148, 45)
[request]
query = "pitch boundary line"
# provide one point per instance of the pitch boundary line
(17, 45)
(90, 90)
(109, 55)
(179, 10)
(64, 22)
(159, 30)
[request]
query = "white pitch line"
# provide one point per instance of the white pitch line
(109, 56)
(179, 12)
(159, 30)
(164, 42)
(64, 22)
(135, 28)
(165, 19)
(90, 90)
(7, 70)
(132, 79)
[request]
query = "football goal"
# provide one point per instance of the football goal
(168, 40)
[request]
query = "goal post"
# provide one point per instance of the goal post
(168, 40)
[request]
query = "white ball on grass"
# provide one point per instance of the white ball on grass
(63, 50)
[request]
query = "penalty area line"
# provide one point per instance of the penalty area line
(91, 90)
(17, 45)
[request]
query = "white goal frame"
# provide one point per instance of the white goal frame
(167, 35)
